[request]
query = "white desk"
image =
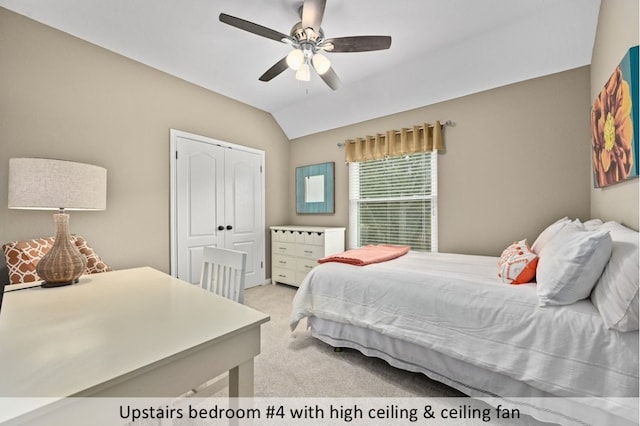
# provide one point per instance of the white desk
(129, 333)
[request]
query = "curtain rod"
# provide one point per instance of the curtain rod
(446, 123)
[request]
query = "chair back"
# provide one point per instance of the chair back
(223, 272)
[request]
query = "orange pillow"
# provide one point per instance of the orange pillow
(517, 264)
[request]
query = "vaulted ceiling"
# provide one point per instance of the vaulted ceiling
(441, 49)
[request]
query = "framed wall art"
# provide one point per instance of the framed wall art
(314, 189)
(614, 125)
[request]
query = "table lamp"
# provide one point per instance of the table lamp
(48, 184)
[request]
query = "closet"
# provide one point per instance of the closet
(217, 199)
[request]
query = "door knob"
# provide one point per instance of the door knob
(220, 228)
(229, 227)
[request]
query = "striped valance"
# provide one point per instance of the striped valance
(394, 143)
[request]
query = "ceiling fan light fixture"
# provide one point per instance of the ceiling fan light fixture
(321, 63)
(303, 73)
(295, 59)
(307, 38)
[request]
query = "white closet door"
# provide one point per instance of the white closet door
(218, 200)
(199, 203)
(243, 207)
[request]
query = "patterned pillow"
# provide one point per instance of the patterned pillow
(517, 264)
(22, 258)
(94, 263)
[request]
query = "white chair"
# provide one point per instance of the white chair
(223, 272)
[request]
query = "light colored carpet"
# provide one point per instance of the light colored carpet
(298, 365)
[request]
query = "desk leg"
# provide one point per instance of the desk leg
(241, 380)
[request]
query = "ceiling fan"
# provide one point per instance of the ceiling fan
(308, 41)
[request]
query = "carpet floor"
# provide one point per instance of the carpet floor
(294, 364)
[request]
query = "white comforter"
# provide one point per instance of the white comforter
(455, 304)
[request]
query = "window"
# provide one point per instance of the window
(393, 201)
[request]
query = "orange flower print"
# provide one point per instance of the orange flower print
(612, 132)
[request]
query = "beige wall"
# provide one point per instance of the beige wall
(515, 156)
(64, 98)
(618, 30)
(517, 159)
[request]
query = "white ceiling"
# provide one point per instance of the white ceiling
(441, 49)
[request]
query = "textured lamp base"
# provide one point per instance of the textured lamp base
(64, 263)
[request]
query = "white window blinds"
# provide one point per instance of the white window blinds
(393, 201)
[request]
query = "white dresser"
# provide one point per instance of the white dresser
(295, 250)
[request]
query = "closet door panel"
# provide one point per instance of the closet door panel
(199, 206)
(243, 207)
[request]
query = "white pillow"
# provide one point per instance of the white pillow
(548, 233)
(570, 265)
(616, 293)
(592, 224)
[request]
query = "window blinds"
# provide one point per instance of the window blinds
(393, 201)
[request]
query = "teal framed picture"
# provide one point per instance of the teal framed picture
(314, 189)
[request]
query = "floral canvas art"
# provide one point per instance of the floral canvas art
(614, 125)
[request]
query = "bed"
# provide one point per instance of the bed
(451, 318)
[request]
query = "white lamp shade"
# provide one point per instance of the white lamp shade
(320, 63)
(295, 59)
(47, 184)
(303, 73)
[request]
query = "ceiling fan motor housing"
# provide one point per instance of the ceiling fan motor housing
(306, 34)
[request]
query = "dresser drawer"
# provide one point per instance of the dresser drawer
(283, 236)
(305, 265)
(310, 237)
(283, 261)
(277, 235)
(314, 238)
(278, 247)
(308, 251)
(300, 236)
(286, 276)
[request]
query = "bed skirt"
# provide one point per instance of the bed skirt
(475, 381)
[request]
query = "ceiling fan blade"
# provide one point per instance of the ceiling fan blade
(357, 44)
(275, 70)
(331, 78)
(252, 28)
(312, 12)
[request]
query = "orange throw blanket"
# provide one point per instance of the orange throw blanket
(367, 255)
